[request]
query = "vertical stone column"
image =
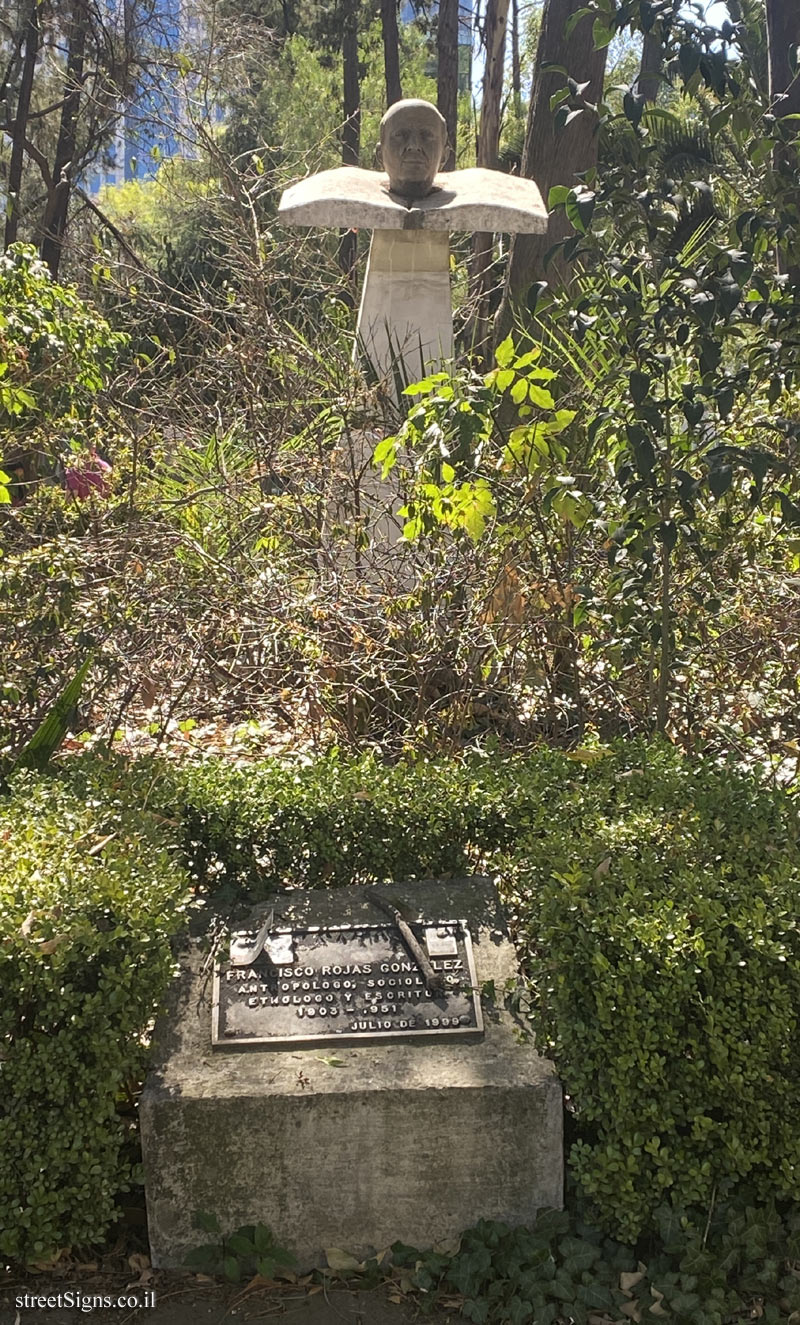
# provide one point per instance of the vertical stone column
(406, 313)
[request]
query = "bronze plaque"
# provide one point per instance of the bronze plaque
(342, 984)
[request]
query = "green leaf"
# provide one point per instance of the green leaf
(50, 733)
(725, 400)
(504, 352)
(574, 19)
(580, 208)
(633, 104)
(539, 395)
(557, 196)
(562, 94)
(519, 391)
(644, 455)
(720, 478)
(385, 454)
(640, 386)
(239, 1244)
(602, 36)
(689, 57)
(525, 360)
(262, 1239)
(790, 511)
(207, 1223)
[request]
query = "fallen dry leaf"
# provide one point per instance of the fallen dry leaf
(47, 946)
(342, 1261)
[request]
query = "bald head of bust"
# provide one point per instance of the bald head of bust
(413, 145)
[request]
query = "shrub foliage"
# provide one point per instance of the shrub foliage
(655, 903)
(90, 894)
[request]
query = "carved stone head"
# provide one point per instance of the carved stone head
(413, 146)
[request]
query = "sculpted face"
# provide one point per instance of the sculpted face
(413, 146)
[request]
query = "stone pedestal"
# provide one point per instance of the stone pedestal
(354, 1146)
(405, 322)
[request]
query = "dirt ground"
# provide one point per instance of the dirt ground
(188, 1299)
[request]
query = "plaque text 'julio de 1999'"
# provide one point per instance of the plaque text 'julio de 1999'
(346, 983)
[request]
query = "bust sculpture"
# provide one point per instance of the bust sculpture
(405, 318)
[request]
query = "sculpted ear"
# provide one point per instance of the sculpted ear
(377, 157)
(445, 148)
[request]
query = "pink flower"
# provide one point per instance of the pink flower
(87, 474)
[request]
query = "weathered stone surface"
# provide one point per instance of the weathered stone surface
(359, 1146)
(406, 313)
(475, 199)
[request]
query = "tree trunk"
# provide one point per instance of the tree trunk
(516, 68)
(447, 75)
(391, 52)
(783, 38)
(351, 129)
(64, 164)
(495, 36)
(553, 156)
(487, 155)
(649, 80)
(20, 125)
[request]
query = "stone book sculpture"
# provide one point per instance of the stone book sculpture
(405, 316)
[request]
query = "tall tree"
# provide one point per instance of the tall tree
(447, 74)
(783, 49)
(516, 65)
(554, 152)
(391, 51)
(65, 162)
(351, 128)
(649, 79)
(19, 125)
(492, 92)
(488, 148)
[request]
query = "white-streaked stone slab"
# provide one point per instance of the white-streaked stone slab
(476, 199)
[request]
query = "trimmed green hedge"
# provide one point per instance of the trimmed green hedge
(664, 944)
(85, 927)
(655, 903)
(340, 821)
(654, 900)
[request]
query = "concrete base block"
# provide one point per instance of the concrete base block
(351, 1147)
